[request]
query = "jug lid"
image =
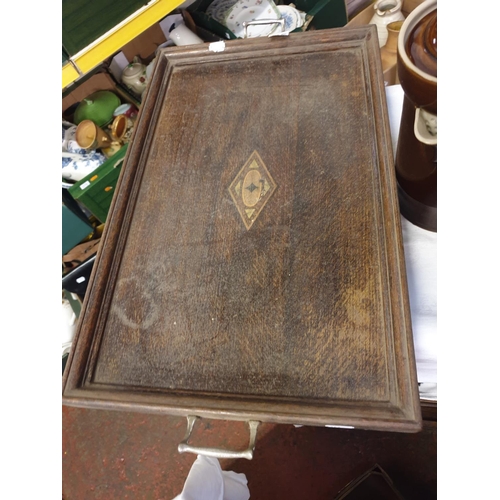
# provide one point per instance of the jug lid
(133, 69)
(417, 43)
(421, 45)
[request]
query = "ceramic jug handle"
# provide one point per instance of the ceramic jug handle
(218, 452)
(395, 8)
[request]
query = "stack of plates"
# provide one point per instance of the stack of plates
(233, 13)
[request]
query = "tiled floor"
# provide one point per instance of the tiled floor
(117, 455)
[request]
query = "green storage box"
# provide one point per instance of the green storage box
(84, 21)
(96, 190)
(74, 229)
(324, 14)
(320, 14)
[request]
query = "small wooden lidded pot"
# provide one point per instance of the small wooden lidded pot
(89, 136)
(119, 127)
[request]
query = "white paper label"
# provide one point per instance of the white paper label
(217, 46)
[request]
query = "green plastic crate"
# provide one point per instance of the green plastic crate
(84, 21)
(96, 190)
(74, 229)
(320, 14)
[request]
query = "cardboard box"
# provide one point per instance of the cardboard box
(364, 17)
(100, 81)
(410, 5)
(361, 19)
(145, 44)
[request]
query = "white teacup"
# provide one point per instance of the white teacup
(182, 35)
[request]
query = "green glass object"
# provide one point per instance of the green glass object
(97, 107)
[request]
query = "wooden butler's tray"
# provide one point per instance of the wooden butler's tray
(252, 263)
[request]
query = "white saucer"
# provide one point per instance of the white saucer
(252, 10)
(291, 16)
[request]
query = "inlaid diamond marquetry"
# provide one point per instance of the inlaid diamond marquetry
(251, 189)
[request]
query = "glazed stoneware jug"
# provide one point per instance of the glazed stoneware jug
(386, 12)
(389, 54)
(416, 154)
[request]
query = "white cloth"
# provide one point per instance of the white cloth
(420, 247)
(395, 96)
(207, 481)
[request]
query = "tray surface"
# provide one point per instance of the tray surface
(252, 264)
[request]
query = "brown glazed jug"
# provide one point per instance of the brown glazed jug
(416, 154)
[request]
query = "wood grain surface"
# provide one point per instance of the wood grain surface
(252, 264)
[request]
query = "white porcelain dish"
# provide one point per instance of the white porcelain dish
(291, 16)
(252, 10)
